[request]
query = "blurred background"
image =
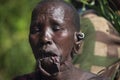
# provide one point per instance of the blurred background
(15, 53)
(16, 56)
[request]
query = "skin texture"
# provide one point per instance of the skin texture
(51, 35)
(54, 39)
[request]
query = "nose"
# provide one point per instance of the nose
(46, 37)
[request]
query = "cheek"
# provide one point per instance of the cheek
(65, 43)
(33, 43)
(33, 40)
(67, 48)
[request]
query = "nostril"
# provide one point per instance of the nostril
(42, 43)
(49, 42)
(46, 40)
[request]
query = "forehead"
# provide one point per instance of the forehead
(52, 9)
(49, 7)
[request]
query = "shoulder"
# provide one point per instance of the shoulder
(20, 78)
(30, 76)
(24, 77)
(90, 76)
(85, 75)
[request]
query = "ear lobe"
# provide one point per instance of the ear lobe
(78, 37)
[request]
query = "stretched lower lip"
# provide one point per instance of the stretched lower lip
(52, 59)
(56, 59)
(49, 64)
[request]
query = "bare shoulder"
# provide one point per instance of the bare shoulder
(85, 75)
(30, 76)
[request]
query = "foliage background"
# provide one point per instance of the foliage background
(16, 56)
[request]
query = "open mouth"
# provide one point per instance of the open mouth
(50, 60)
(50, 64)
(44, 54)
(48, 55)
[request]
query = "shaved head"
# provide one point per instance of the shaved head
(54, 31)
(69, 10)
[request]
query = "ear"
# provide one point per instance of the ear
(78, 37)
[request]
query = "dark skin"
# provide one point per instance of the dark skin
(53, 38)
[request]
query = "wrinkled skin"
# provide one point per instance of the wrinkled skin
(52, 38)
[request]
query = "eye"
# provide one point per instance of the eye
(56, 28)
(34, 30)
